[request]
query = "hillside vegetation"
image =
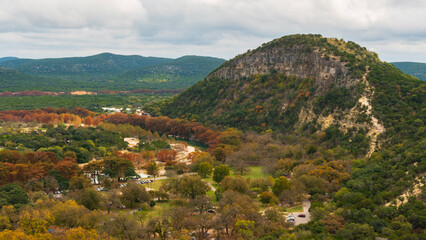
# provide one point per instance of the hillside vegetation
(94, 67)
(7, 58)
(308, 138)
(349, 103)
(107, 72)
(413, 68)
(12, 80)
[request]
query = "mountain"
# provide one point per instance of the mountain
(181, 72)
(12, 80)
(413, 68)
(361, 112)
(306, 83)
(7, 59)
(108, 71)
(94, 67)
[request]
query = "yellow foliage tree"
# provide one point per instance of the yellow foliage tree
(68, 214)
(81, 233)
(34, 222)
(19, 235)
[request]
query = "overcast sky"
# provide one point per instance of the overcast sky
(395, 29)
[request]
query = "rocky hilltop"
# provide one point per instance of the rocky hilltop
(302, 84)
(292, 60)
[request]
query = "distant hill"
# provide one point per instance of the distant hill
(12, 80)
(108, 71)
(413, 68)
(95, 67)
(7, 59)
(180, 73)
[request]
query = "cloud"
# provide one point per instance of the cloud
(41, 15)
(222, 28)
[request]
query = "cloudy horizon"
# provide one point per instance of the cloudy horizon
(396, 30)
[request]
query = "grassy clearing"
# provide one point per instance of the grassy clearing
(212, 195)
(254, 172)
(156, 184)
(159, 209)
(294, 209)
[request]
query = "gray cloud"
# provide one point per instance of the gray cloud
(221, 28)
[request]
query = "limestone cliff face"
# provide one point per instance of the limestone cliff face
(290, 61)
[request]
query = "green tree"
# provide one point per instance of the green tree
(192, 186)
(142, 213)
(12, 194)
(238, 163)
(354, 231)
(268, 197)
(133, 193)
(201, 158)
(220, 172)
(202, 203)
(89, 198)
(235, 206)
(262, 184)
(79, 183)
(111, 199)
(205, 169)
(117, 167)
(280, 185)
(236, 184)
(153, 169)
(245, 229)
(124, 226)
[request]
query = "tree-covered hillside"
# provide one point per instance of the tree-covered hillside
(342, 99)
(413, 68)
(108, 72)
(12, 80)
(7, 58)
(179, 73)
(94, 67)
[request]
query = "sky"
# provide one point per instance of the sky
(395, 29)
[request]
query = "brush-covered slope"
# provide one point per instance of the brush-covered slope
(413, 68)
(304, 83)
(81, 68)
(12, 80)
(7, 59)
(108, 71)
(179, 73)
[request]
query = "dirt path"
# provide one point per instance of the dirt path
(377, 128)
(211, 187)
(417, 190)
